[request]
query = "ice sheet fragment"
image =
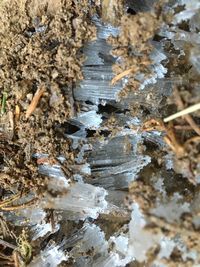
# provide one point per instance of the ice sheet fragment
(84, 199)
(140, 240)
(172, 209)
(97, 69)
(51, 256)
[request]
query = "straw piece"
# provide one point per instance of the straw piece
(183, 112)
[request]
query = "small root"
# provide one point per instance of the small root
(183, 128)
(195, 139)
(170, 138)
(187, 117)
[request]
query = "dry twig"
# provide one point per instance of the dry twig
(40, 91)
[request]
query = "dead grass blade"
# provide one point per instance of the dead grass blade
(17, 112)
(6, 244)
(3, 104)
(10, 200)
(22, 206)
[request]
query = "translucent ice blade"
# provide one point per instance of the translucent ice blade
(91, 238)
(84, 199)
(96, 87)
(171, 209)
(41, 230)
(119, 177)
(141, 240)
(118, 150)
(97, 69)
(89, 120)
(50, 257)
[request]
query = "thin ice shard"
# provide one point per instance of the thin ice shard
(119, 177)
(26, 217)
(43, 229)
(117, 162)
(83, 199)
(91, 238)
(97, 69)
(141, 240)
(89, 120)
(156, 69)
(172, 209)
(51, 256)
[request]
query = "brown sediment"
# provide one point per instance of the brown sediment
(40, 62)
(135, 32)
(40, 42)
(112, 11)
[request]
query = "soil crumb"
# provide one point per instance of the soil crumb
(40, 46)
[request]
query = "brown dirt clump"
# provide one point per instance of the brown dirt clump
(40, 62)
(133, 47)
(112, 11)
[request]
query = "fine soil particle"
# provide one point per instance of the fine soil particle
(40, 62)
(133, 47)
(40, 48)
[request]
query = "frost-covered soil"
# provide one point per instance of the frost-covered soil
(90, 174)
